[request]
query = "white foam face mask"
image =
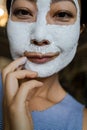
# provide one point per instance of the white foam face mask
(63, 39)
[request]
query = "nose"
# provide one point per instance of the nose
(40, 43)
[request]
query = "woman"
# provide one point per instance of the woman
(43, 37)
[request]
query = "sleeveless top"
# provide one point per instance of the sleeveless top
(66, 115)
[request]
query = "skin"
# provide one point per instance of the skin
(23, 90)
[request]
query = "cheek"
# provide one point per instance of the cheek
(19, 36)
(64, 37)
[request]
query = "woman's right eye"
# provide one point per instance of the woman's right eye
(22, 13)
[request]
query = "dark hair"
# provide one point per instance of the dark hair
(83, 8)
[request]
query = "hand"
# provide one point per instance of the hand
(16, 107)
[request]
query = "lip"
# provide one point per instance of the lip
(40, 58)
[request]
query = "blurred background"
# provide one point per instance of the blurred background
(4, 48)
(73, 77)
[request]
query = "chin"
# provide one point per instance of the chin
(41, 74)
(43, 70)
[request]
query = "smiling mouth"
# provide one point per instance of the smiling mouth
(40, 58)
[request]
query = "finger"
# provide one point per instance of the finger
(24, 90)
(16, 63)
(12, 67)
(20, 68)
(12, 84)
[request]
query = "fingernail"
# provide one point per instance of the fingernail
(34, 74)
(40, 83)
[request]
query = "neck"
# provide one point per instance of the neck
(46, 96)
(51, 90)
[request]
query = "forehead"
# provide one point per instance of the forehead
(51, 1)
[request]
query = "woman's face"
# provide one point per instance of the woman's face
(46, 32)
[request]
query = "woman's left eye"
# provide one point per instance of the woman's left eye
(63, 15)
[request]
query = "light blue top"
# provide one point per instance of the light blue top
(66, 115)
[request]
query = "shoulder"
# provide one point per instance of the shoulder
(85, 119)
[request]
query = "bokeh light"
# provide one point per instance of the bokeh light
(1, 12)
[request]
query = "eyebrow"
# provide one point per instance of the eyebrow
(54, 1)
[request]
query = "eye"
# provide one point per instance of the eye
(63, 15)
(22, 13)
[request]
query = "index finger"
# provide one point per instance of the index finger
(12, 67)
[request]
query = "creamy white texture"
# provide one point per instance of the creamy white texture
(63, 39)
